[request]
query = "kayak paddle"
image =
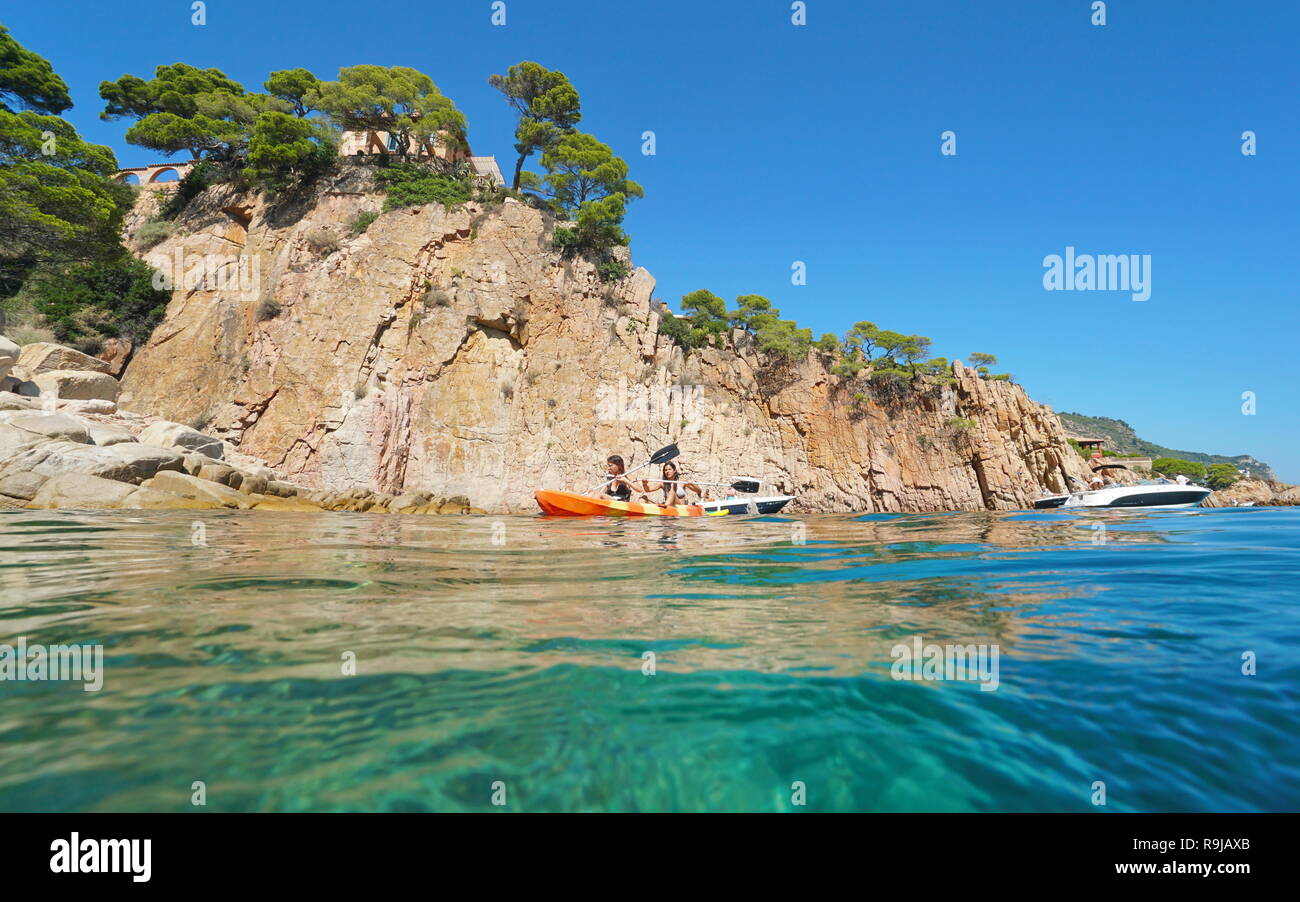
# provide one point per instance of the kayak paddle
(662, 456)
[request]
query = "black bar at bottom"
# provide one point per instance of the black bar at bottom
(337, 851)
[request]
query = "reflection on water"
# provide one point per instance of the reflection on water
(513, 649)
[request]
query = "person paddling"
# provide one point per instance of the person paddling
(673, 487)
(618, 487)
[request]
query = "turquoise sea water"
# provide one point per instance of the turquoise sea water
(508, 654)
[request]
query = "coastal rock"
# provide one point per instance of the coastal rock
(408, 502)
(115, 352)
(48, 425)
(22, 386)
(456, 350)
(176, 435)
(21, 485)
(193, 487)
(131, 462)
(44, 357)
(107, 434)
(281, 489)
(193, 462)
(253, 485)
(92, 405)
(10, 398)
(77, 385)
(248, 464)
(220, 473)
(81, 490)
(152, 499)
(285, 504)
(1255, 493)
(9, 353)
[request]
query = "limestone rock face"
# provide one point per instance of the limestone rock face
(44, 357)
(77, 385)
(456, 351)
(51, 459)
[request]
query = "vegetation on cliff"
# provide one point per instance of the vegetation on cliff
(585, 182)
(289, 135)
(63, 271)
(882, 356)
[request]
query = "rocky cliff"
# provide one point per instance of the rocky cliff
(456, 351)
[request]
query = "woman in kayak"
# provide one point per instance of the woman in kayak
(673, 486)
(619, 488)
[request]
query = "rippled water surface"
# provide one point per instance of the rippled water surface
(514, 650)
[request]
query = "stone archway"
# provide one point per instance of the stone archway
(148, 176)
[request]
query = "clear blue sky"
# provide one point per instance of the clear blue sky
(821, 143)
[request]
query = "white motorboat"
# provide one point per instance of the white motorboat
(1146, 494)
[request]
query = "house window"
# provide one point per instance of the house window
(392, 143)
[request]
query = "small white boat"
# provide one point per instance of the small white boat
(1148, 494)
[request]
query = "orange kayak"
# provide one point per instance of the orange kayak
(571, 504)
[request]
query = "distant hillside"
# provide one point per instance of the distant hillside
(1121, 439)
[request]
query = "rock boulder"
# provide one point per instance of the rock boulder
(9, 353)
(80, 490)
(176, 435)
(77, 385)
(44, 357)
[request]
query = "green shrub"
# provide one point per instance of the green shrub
(783, 339)
(411, 184)
(847, 367)
(29, 333)
(679, 331)
(362, 221)
(960, 424)
(86, 303)
(564, 237)
(1174, 466)
(153, 233)
(1220, 476)
(613, 270)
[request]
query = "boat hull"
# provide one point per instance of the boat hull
(571, 504)
(1128, 497)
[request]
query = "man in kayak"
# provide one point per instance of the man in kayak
(618, 487)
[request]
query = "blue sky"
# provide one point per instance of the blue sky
(821, 144)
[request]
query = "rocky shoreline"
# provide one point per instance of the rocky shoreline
(64, 443)
(1256, 493)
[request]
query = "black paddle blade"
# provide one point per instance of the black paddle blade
(665, 454)
(745, 485)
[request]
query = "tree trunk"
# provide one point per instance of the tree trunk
(519, 167)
